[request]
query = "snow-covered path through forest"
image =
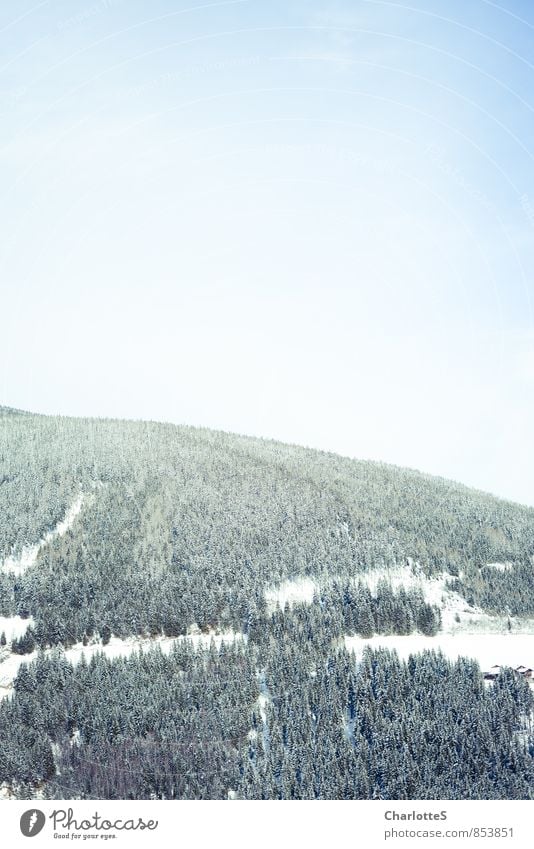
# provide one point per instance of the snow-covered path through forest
(264, 700)
(19, 563)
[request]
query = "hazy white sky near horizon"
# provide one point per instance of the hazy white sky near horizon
(311, 221)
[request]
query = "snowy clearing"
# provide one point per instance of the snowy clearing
(15, 626)
(28, 556)
(488, 649)
(466, 630)
(293, 591)
(302, 590)
(433, 589)
(10, 662)
(458, 617)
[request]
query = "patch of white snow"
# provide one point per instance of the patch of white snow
(488, 649)
(293, 591)
(15, 626)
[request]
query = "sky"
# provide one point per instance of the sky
(304, 220)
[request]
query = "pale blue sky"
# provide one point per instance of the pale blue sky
(312, 221)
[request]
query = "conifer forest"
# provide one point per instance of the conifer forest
(191, 614)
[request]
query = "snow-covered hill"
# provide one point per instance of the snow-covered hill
(116, 536)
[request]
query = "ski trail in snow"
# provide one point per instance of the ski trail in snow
(28, 556)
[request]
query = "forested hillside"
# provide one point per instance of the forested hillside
(110, 529)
